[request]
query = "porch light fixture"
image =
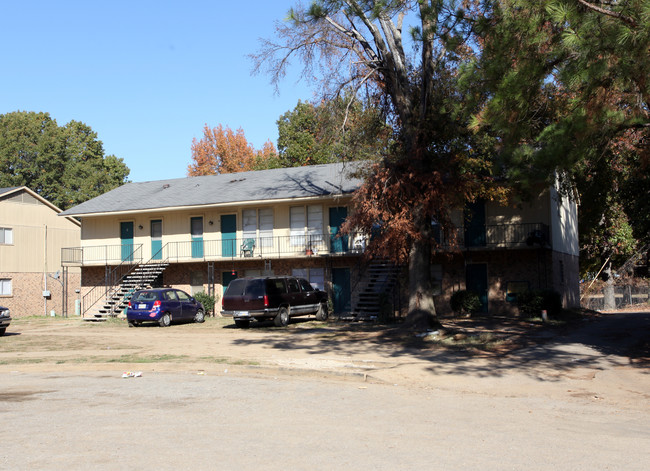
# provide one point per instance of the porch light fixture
(210, 222)
(140, 227)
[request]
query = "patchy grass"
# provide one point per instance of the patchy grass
(228, 361)
(486, 341)
(146, 358)
(22, 361)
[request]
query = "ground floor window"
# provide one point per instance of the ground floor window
(315, 276)
(196, 282)
(5, 287)
(6, 236)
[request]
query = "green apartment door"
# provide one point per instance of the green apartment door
(126, 240)
(337, 217)
(156, 239)
(476, 280)
(341, 296)
(475, 232)
(226, 278)
(196, 228)
(228, 235)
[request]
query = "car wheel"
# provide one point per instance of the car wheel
(282, 319)
(200, 316)
(322, 314)
(132, 324)
(165, 320)
(2, 331)
(242, 323)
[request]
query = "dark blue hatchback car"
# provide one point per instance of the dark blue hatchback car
(163, 305)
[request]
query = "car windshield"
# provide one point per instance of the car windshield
(145, 296)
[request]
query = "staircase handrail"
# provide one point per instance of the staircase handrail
(114, 287)
(627, 266)
(102, 291)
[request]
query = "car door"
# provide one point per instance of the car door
(171, 304)
(310, 297)
(188, 304)
(296, 298)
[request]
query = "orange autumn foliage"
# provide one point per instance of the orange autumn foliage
(222, 150)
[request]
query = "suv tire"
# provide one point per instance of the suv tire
(322, 314)
(282, 319)
(242, 323)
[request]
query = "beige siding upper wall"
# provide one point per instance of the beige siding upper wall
(105, 230)
(38, 235)
(536, 211)
(564, 224)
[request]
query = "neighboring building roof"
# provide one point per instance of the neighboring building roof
(6, 193)
(275, 184)
(8, 190)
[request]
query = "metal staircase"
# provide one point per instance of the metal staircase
(379, 281)
(117, 298)
(637, 260)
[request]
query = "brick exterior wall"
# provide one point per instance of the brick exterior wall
(179, 275)
(27, 295)
(542, 269)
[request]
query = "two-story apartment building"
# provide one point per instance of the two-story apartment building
(33, 280)
(199, 233)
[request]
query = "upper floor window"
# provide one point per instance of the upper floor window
(6, 236)
(262, 219)
(306, 221)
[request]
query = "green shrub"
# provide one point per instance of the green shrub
(465, 302)
(533, 302)
(207, 301)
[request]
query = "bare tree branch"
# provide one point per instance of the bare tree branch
(613, 14)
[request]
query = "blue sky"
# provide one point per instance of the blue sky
(146, 76)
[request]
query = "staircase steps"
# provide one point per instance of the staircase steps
(118, 298)
(380, 277)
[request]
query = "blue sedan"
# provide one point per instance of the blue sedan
(163, 305)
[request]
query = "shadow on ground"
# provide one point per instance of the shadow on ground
(594, 341)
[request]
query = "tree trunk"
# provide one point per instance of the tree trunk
(422, 311)
(608, 293)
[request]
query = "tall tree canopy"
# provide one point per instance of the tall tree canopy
(436, 163)
(222, 150)
(574, 76)
(334, 130)
(66, 165)
(481, 92)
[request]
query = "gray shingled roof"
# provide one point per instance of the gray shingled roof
(282, 183)
(7, 190)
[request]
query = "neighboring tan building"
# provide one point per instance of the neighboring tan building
(199, 233)
(32, 279)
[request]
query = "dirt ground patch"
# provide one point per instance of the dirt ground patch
(504, 354)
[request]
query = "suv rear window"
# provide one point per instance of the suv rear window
(255, 288)
(236, 287)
